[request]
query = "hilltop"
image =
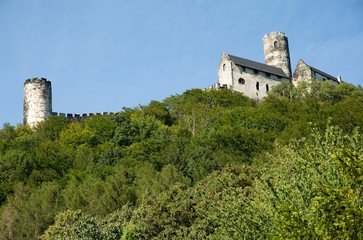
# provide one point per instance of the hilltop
(203, 164)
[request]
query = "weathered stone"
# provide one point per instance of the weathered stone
(37, 101)
(304, 72)
(255, 79)
(276, 51)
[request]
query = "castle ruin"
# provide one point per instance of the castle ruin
(255, 79)
(251, 78)
(38, 103)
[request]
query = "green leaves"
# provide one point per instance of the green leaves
(199, 165)
(316, 190)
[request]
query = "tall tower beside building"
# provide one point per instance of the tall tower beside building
(276, 51)
(37, 101)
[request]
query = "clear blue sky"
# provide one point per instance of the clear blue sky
(105, 55)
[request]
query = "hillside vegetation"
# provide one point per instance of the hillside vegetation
(200, 165)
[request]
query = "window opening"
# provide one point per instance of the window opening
(267, 88)
(241, 81)
(275, 44)
(257, 86)
(224, 67)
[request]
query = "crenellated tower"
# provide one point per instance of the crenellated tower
(276, 51)
(37, 101)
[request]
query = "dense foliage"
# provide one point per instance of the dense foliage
(200, 165)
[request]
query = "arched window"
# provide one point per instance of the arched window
(257, 86)
(224, 67)
(275, 44)
(267, 88)
(241, 81)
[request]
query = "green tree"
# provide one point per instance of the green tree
(314, 189)
(30, 211)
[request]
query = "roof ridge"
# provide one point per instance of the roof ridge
(257, 65)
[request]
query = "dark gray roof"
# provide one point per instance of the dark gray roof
(257, 66)
(324, 74)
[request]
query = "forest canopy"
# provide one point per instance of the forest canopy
(199, 165)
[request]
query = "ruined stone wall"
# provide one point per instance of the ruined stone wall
(276, 51)
(302, 73)
(37, 101)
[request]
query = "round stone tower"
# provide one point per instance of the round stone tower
(276, 51)
(37, 100)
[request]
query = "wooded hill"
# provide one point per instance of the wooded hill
(200, 165)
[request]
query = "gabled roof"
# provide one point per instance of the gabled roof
(324, 74)
(257, 66)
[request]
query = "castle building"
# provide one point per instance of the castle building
(251, 78)
(255, 79)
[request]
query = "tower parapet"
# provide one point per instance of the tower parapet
(37, 101)
(276, 51)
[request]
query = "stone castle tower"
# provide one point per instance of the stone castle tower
(276, 51)
(37, 101)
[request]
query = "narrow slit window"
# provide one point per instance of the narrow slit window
(257, 86)
(267, 88)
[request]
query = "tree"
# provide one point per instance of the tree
(30, 211)
(314, 189)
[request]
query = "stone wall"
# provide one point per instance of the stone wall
(80, 117)
(252, 83)
(225, 73)
(320, 77)
(38, 103)
(304, 72)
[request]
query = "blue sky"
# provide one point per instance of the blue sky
(105, 55)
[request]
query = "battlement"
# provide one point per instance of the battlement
(36, 80)
(275, 34)
(38, 103)
(79, 117)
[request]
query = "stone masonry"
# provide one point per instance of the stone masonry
(252, 78)
(255, 79)
(37, 100)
